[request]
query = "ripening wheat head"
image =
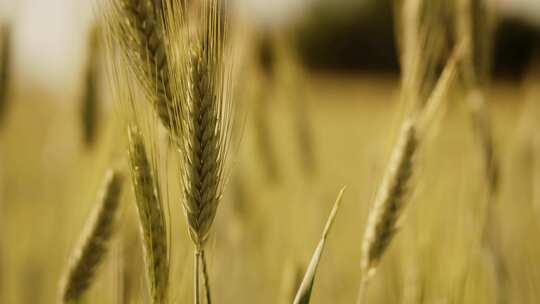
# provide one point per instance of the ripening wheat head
(200, 110)
(208, 117)
(94, 242)
(137, 25)
(390, 200)
(151, 215)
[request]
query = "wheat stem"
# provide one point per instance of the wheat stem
(196, 280)
(206, 278)
(362, 291)
(474, 29)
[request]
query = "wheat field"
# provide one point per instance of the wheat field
(175, 203)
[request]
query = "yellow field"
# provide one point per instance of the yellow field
(265, 233)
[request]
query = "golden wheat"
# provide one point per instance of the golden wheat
(151, 215)
(389, 202)
(138, 25)
(94, 242)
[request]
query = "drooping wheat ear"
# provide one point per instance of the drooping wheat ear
(151, 216)
(94, 242)
(390, 200)
(138, 26)
(5, 61)
(90, 101)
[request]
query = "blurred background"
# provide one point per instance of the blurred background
(338, 36)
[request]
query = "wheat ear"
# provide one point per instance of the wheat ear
(94, 242)
(205, 116)
(139, 26)
(390, 200)
(151, 216)
(208, 126)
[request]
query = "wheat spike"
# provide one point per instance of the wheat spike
(202, 195)
(139, 26)
(206, 116)
(94, 243)
(389, 202)
(151, 217)
(390, 199)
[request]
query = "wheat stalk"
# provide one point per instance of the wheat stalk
(203, 158)
(205, 116)
(94, 242)
(474, 32)
(151, 216)
(424, 43)
(474, 28)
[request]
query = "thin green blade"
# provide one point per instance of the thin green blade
(304, 292)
